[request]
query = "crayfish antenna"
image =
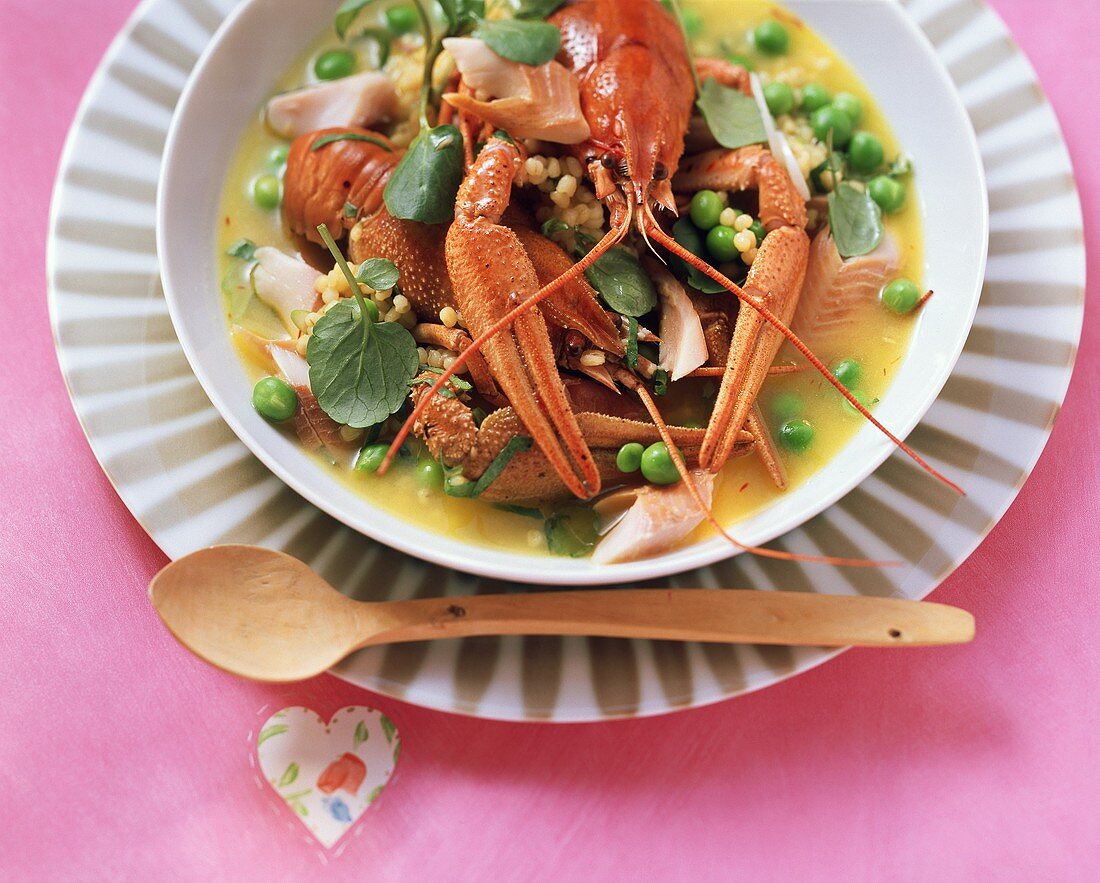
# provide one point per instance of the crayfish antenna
(612, 237)
(703, 267)
(689, 483)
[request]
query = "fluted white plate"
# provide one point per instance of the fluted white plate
(191, 483)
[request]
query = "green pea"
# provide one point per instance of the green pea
(888, 193)
(402, 18)
(815, 97)
(693, 23)
(334, 64)
(429, 474)
(851, 105)
(787, 406)
(861, 397)
(372, 309)
(901, 296)
(779, 97)
(720, 244)
(657, 465)
(796, 435)
(741, 60)
(706, 208)
(267, 192)
(831, 118)
(274, 399)
(771, 38)
(759, 232)
(865, 153)
(629, 458)
(371, 457)
(847, 371)
(278, 155)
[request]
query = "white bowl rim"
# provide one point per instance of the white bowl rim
(469, 557)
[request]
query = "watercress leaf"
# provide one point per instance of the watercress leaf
(522, 40)
(347, 13)
(571, 532)
(525, 511)
(622, 283)
(461, 14)
(733, 117)
(242, 248)
(350, 210)
(239, 288)
(687, 234)
(855, 219)
(349, 136)
(359, 378)
(378, 273)
(631, 358)
(660, 382)
(537, 8)
(383, 38)
(425, 183)
(553, 225)
(450, 15)
(901, 167)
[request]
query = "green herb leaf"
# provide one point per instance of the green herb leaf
(553, 225)
(855, 219)
(267, 732)
(687, 234)
(361, 734)
(425, 183)
(374, 794)
(631, 358)
(525, 41)
(383, 38)
(517, 444)
(901, 167)
(359, 378)
(238, 286)
(388, 728)
(379, 273)
(733, 117)
(347, 13)
(660, 382)
(243, 249)
(289, 775)
(461, 14)
(537, 8)
(350, 210)
(571, 532)
(622, 283)
(349, 136)
(525, 511)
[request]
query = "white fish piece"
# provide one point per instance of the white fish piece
(528, 101)
(284, 283)
(683, 347)
(836, 290)
(359, 100)
(660, 518)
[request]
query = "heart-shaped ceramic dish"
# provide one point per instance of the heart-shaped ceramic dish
(890, 54)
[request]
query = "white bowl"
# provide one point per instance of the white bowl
(259, 41)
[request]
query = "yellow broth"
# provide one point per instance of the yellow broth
(743, 487)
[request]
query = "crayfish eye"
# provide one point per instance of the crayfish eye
(660, 171)
(608, 161)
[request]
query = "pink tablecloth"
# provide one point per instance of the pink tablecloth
(121, 756)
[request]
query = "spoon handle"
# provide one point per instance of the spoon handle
(735, 616)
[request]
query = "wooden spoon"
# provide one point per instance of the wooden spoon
(263, 615)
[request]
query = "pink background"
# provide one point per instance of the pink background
(122, 756)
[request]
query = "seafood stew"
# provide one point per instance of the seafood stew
(635, 397)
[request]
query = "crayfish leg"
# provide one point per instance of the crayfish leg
(492, 274)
